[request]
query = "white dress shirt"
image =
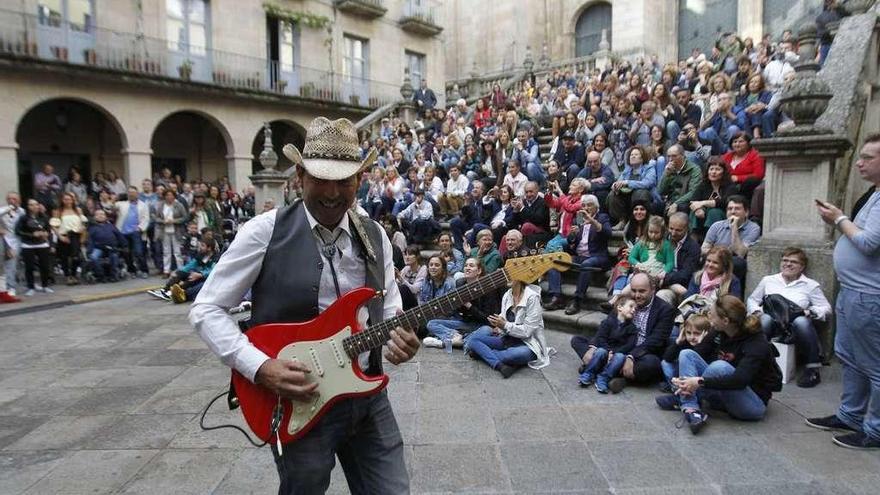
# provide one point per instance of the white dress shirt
(457, 187)
(805, 292)
(518, 183)
(239, 268)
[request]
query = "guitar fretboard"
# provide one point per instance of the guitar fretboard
(376, 335)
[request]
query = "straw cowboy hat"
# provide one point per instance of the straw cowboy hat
(331, 150)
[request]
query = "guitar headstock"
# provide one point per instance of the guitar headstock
(527, 269)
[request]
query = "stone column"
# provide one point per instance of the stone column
(407, 108)
(8, 169)
(269, 182)
(750, 19)
(603, 54)
(800, 164)
(238, 168)
(138, 166)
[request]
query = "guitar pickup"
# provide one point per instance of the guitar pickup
(337, 353)
(316, 362)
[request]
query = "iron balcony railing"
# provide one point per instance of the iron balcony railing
(421, 10)
(54, 39)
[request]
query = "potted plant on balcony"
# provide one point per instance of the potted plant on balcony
(185, 69)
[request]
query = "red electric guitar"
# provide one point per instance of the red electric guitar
(331, 343)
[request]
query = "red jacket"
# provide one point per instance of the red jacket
(482, 118)
(568, 207)
(751, 166)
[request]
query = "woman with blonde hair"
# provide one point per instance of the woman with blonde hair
(69, 224)
(716, 279)
(740, 382)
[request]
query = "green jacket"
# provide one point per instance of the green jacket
(666, 255)
(491, 260)
(679, 187)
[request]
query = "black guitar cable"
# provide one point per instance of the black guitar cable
(217, 427)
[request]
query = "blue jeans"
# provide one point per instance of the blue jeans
(672, 131)
(600, 365)
(718, 142)
(402, 204)
(95, 257)
(135, 252)
(741, 404)
(670, 370)
(443, 329)
(491, 348)
(857, 344)
(805, 338)
(363, 433)
(554, 277)
(535, 173)
(769, 121)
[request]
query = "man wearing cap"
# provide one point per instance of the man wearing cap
(570, 156)
(297, 260)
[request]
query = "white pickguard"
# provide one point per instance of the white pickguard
(331, 368)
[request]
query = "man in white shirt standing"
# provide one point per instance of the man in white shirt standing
(297, 261)
(10, 244)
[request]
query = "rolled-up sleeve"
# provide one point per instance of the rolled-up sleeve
(230, 280)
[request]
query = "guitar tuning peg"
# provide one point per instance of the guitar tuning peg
(534, 252)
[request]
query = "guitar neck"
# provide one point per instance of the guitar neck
(376, 335)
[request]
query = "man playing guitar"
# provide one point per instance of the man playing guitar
(298, 260)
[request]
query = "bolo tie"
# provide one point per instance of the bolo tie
(329, 251)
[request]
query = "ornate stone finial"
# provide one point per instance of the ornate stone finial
(268, 157)
(528, 63)
(806, 97)
(604, 45)
(544, 61)
(406, 89)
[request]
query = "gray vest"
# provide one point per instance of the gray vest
(286, 290)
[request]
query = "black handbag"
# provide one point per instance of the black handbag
(783, 313)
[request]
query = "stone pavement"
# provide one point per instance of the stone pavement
(104, 398)
(65, 295)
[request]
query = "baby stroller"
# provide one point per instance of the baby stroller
(105, 268)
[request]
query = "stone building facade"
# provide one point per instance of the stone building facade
(492, 36)
(133, 85)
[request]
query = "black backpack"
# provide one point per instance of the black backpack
(783, 313)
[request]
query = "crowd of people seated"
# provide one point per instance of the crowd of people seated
(658, 155)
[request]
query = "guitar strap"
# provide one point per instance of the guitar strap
(376, 274)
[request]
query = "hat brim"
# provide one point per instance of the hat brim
(329, 169)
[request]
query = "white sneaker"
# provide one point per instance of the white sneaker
(432, 342)
(48, 290)
(457, 340)
(29, 293)
(11, 292)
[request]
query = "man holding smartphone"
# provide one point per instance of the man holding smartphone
(857, 341)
